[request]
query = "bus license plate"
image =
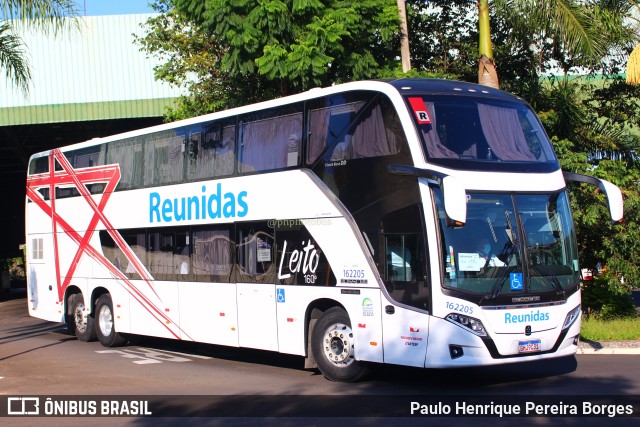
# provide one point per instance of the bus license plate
(529, 346)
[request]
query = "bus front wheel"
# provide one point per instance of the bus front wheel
(80, 322)
(333, 347)
(105, 326)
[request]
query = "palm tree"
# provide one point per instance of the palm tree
(487, 74)
(584, 29)
(44, 15)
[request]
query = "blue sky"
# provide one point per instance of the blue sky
(112, 7)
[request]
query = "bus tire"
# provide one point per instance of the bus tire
(105, 325)
(79, 322)
(333, 347)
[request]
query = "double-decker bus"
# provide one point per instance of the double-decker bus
(415, 222)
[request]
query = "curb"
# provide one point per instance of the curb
(609, 351)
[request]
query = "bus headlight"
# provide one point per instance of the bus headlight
(571, 317)
(471, 324)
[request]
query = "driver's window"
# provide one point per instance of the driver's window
(404, 258)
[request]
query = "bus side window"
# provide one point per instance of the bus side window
(39, 165)
(255, 253)
(129, 154)
(211, 150)
(404, 258)
(168, 253)
(212, 257)
(270, 140)
(165, 153)
(400, 252)
(361, 127)
(135, 239)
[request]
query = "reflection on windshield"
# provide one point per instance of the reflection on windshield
(522, 244)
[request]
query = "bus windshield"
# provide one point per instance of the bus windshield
(511, 245)
(483, 133)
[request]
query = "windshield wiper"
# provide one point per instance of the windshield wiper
(548, 273)
(505, 256)
(497, 286)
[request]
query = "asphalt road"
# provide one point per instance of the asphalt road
(240, 387)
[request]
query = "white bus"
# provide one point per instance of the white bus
(413, 222)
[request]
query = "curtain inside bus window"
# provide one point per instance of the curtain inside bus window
(129, 155)
(197, 156)
(318, 126)
(165, 255)
(370, 138)
(350, 132)
(270, 143)
(503, 132)
(255, 253)
(435, 148)
(164, 151)
(224, 156)
(135, 239)
(160, 254)
(212, 255)
(477, 130)
(211, 152)
(181, 254)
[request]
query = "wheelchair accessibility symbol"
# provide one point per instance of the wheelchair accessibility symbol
(280, 295)
(516, 281)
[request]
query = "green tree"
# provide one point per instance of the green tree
(189, 58)
(596, 131)
(444, 37)
(293, 45)
(43, 15)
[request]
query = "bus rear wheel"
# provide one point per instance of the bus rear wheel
(333, 347)
(80, 322)
(105, 326)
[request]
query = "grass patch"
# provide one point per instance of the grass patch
(610, 330)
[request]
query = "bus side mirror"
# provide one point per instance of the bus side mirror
(454, 193)
(611, 192)
(455, 200)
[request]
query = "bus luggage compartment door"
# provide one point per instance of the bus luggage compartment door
(257, 326)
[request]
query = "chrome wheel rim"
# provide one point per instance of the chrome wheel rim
(337, 345)
(79, 318)
(105, 320)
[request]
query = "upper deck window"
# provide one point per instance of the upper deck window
(480, 133)
(353, 126)
(270, 139)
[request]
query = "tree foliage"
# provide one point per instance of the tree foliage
(42, 15)
(189, 58)
(12, 57)
(298, 44)
(599, 123)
